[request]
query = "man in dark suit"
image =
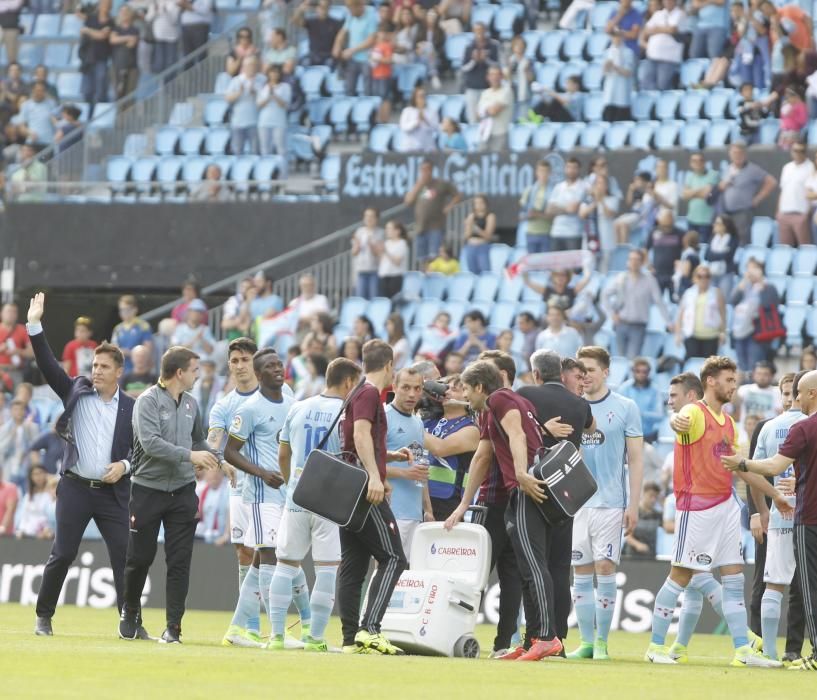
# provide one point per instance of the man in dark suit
(95, 483)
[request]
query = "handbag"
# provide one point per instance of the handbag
(334, 486)
(768, 325)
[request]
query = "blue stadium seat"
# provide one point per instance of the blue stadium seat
(216, 140)
(339, 114)
(242, 172)
(510, 288)
(47, 26)
(409, 76)
(506, 18)
(427, 309)
(544, 135)
(334, 84)
(547, 74)
(592, 135)
(167, 173)
(486, 286)
(26, 22)
(519, 137)
(694, 364)
(529, 294)
(593, 76)
(318, 110)
(104, 116)
(330, 172)
(461, 286)
(779, 260)
(811, 318)
(215, 111)
(71, 25)
(794, 318)
(533, 40)
(593, 106)
(653, 344)
(692, 102)
(666, 136)
(666, 107)
(574, 69)
(221, 83)
(692, 134)
(435, 285)
(716, 104)
(30, 53)
(484, 14)
(642, 134)
(762, 231)
(364, 113)
(596, 45)
(57, 54)
(812, 133)
(135, 145)
(567, 135)
(618, 258)
(799, 290)
(619, 369)
(692, 71)
(192, 140)
(601, 14)
(499, 255)
(456, 310)
(193, 170)
(312, 81)
(643, 105)
(769, 130)
(167, 139)
(805, 260)
(535, 307)
(759, 253)
(266, 170)
(351, 308)
(502, 314)
(380, 137)
(182, 114)
(618, 133)
(338, 12)
(435, 102)
(117, 171)
(225, 163)
(470, 132)
(69, 85)
(551, 44)
(718, 134)
(573, 46)
(412, 285)
(378, 311)
(455, 47)
(453, 108)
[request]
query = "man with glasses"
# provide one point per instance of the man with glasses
(793, 205)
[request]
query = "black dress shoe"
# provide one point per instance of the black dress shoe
(171, 635)
(128, 624)
(42, 627)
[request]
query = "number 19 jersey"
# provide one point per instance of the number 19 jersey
(306, 424)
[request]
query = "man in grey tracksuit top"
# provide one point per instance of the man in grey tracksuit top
(169, 447)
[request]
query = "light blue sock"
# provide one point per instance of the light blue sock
(711, 589)
(665, 603)
(254, 623)
(323, 599)
(266, 572)
(770, 620)
(691, 608)
(516, 637)
(300, 594)
(585, 606)
(280, 596)
(606, 592)
(248, 599)
(734, 609)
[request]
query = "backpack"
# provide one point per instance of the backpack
(768, 326)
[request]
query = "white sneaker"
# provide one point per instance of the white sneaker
(659, 654)
(496, 654)
(746, 656)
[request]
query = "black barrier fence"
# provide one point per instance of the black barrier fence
(214, 583)
(381, 180)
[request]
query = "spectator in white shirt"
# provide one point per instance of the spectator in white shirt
(394, 259)
(558, 336)
(793, 205)
(273, 102)
(193, 333)
(163, 15)
(495, 110)
(664, 48)
(419, 124)
(242, 94)
(309, 302)
(665, 190)
(563, 206)
(365, 244)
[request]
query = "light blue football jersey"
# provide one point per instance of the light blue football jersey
(258, 423)
(605, 449)
(402, 431)
(772, 435)
(307, 423)
(221, 416)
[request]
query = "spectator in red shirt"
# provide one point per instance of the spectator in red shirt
(363, 433)
(78, 354)
(14, 346)
(8, 506)
(511, 434)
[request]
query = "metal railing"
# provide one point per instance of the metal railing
(455, 224)
(151, 104)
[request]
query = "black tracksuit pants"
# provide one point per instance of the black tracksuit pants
(503, 558)
(379, 539)
(560, 550)
(177, 511)
(77, 504)
(529, 534)
(805, 553)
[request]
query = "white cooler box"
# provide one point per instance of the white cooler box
(434, 607)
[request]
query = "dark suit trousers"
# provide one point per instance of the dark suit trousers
(77, 504)
(758, 587)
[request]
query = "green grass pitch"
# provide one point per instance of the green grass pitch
(85, 660)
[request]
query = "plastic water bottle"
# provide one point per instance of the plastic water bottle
(422, 460)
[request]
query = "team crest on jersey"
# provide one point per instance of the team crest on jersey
(235, 426)
(610, 416)
(724, 447)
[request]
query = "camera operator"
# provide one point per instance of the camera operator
(451, 438)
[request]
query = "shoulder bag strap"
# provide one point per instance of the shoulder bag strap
(345, 403)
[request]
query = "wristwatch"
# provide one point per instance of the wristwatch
(742, 466)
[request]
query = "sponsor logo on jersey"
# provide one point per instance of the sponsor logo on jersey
(593, 439)
(704, 559)
(724, 447)
(576, 555)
